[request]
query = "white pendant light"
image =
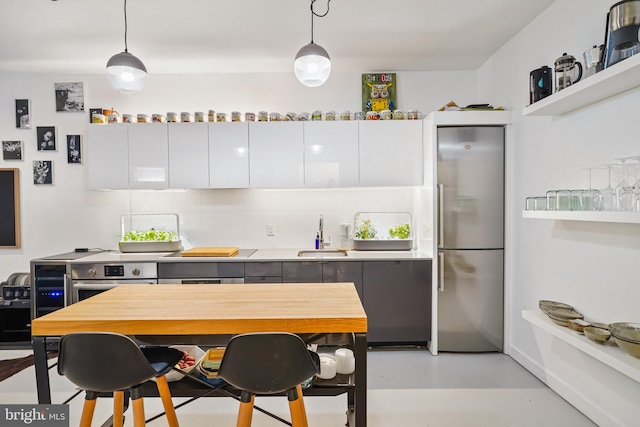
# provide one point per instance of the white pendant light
(126, 73)
(312, 65)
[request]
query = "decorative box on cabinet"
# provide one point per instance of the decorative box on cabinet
(390, 152)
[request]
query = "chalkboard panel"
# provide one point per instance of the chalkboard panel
(9, 208)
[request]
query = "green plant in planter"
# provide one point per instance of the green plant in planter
(402, 231)
(150, 236)
(365, 230)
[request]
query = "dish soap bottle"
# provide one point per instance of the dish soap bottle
(318, 240)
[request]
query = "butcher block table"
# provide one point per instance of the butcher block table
(219, 309)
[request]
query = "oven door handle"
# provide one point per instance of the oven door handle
(104, 286)
(109, 284)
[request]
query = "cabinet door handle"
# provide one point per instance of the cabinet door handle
(67, 289)
(440, 191)
(441, 271)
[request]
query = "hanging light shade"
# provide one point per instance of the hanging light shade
(312, 65)
(125, 72)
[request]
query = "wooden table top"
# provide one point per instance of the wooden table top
(211, 309)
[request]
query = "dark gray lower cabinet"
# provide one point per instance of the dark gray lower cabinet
(302, 272)
(396, 294)
(323, 271)
(397, 299)
(344, 271)
(263, 272)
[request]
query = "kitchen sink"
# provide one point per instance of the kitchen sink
(322, 253)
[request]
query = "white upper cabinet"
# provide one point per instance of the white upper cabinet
(229, 155)
(276, 154)
(188, 155)
(108, 158)
(256, 154)
(331, 154)
(390, 152)
(148, 156)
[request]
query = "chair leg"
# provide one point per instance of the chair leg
(118, 408)
(138, 411)
(296, 407)
(165, 395)
(245, 413)
(88, 409)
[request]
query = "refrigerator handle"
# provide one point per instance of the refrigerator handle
(440, 191)
(441, 271)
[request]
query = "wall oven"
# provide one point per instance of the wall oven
(88, 280)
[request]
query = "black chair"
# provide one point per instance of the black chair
(100, 362)
(268, 363)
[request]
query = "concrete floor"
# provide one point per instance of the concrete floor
(407, 387)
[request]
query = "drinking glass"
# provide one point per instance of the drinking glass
(624, 190)
(608, 194)
(577, 197)
(563, 200)
(551, 200)
(592, 199)
(540, 203)
(636, 184)
(530, 204)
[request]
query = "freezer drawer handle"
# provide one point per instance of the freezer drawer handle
(440, 213)
(441, 271)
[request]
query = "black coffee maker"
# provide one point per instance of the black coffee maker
(621, 38)
(540, 85)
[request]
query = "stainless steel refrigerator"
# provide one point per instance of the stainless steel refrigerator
(470, 238)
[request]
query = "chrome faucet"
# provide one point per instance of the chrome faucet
(321, 231)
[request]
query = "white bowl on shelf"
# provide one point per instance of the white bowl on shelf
(196, 352)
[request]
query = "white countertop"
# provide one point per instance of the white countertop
(259, 255)
(292, 254)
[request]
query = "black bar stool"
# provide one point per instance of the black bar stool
(268, 363)
(99, 362)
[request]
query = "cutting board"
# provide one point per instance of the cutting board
(210, 251)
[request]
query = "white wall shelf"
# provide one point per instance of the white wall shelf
(609, 354)
(621, 217)
(611, 81)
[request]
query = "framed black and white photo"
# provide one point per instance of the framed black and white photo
(12, 150)
(22, 114)
(43, 172)
(74, 154)
(93, 111)
(46, 138)
(70, 96)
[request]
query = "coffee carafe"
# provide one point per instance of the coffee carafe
(540, 84)
(622, 39)
(565, 69)
(594, 60)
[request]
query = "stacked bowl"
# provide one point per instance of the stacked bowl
(627, 336)
(559, 312)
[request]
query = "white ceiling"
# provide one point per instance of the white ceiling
(202, 36)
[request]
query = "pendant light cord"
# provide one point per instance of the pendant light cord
(313, 13)
(125, 26)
